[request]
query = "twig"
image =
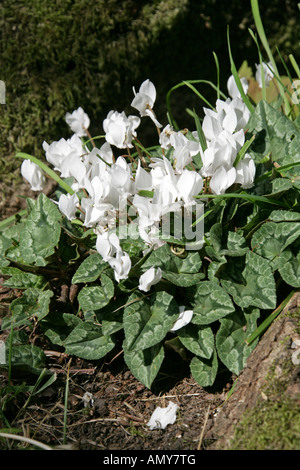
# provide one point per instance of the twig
(26, 439)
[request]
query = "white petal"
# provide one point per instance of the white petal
(161, 417)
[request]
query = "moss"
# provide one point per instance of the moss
(274, 422)
(271, 425)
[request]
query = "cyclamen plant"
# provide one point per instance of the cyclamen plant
(192, 243)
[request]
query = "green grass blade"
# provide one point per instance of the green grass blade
(263, 38)
(237, 78)
(267, 322)
(295, 65)
(248, 197)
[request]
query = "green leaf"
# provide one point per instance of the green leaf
(211, 302)
(33, 303)
(27, 358)
(20, 279)
(289, 267)
(203, 370)
(232, 349)
(87, 341)
(183, 279)
(145, 363)
(148, 320)
(41, 232)
(272, 238)
(57, 326)
(284, 216)
(225, 244)
(254, 286)
(275, 133)
(90, 269)
(197, 339)
(92, 298)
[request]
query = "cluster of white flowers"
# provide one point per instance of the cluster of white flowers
(102, 180)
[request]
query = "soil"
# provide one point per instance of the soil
(116, 417)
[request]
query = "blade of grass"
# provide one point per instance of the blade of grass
(262, 35)
(218, 74)
(10, 220)
(243, 151)
(237, 78)
(295, 65)
(264, 92)
(181, 84)
(66, 402)
(267, 322)
(248, 197)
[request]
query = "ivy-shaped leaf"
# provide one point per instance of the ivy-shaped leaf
(289, 267)
(87, 341)
(254, 286)
(211, 302)
(148, 320)
(90, 269)
(41, 232)
(93, 298)
(230, 339)
(203, 370)
(272, 238)
(33, 303)
(145, 363)
(197, 339)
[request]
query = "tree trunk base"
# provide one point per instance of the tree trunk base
(272, 358)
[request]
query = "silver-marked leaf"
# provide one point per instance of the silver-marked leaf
(148, 320)
(21, 280)
(211, 302)
(87, 341)
(232, 348)
(275, 133)
(58, 326)
(203, 370)
(90, 269)
(197, 339)
(33, 303)
(41, 232)
(145, 363)
(92, 298)
(272, 238)
(256, 286)
(289, 268)
(183, 279)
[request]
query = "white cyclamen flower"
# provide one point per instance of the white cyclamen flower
(233, 89)
(245, 172)
(222, 179)
(149, 278)
(189, 184)
(184, 318)
(61, 150)
(78, 121)
(68, 205)
(33, 174)
(144, 100)
(268, 74)
(108, 245)
(161, 417)
(120, 129)
(121, 265)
